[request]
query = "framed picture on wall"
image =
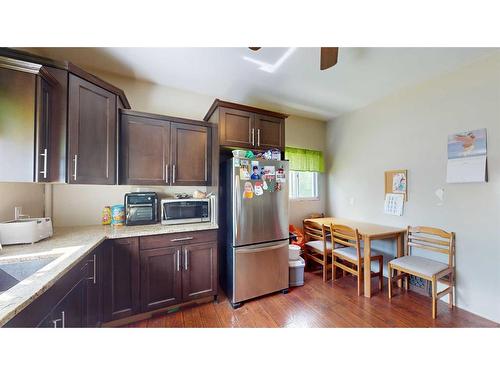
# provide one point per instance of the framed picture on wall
(396, 182)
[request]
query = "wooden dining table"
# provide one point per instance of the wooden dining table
(369, 232)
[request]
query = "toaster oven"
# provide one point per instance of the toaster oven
(141, 208)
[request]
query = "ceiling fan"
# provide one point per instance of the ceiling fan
(329, 56)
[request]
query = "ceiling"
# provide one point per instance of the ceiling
(282, 79)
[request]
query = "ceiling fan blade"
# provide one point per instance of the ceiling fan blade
(255, 48)
(329, 56)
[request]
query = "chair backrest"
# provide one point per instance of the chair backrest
(346, 236)
(313, 231)
(432, 239)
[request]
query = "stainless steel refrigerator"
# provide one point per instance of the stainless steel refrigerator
(254, 247)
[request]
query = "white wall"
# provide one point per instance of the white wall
(310, 134)
(409, 131)
(28, 196)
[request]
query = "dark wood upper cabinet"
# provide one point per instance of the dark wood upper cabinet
(160, 278)
(121, 281)
(164, 150)
(144, 151)
(270, 131)
(236, 128)
(199, 275)
(91, 133)
(191, 154)
(30, 142)
(247, 127)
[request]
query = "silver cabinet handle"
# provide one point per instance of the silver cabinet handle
(181, 239)
(75, 166)
(178, 260)
(94, 277)
(185, 259)
(44, 154)
(253, 137)
(173, 174)
(62, 320)
(258, 137)
(166, 172)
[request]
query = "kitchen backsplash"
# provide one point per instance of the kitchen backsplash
(82, 204)
(29, 196)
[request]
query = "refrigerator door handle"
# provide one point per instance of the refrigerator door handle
(237, 203)
(259, 248)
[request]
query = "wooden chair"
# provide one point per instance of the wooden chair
(347, 248)
(317, 247)
(432, 239)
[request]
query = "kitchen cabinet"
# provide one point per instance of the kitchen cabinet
(121, 283)
(144, 151)
(177, 268)
(199, 270)
(163, 150)
(91, 133)
(160, 278)
(73, 301)
(58, 122)
(247, 127)
(30, 145)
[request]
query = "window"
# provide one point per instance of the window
(303, 185)
(305, 165)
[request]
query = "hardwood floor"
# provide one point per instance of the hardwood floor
(318, 304)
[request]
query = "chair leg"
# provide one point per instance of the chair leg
(434, 299)
(381, 274)
(452, 286)
(389, 282)
(325, 270)
(407, 282)
(360, 279)
(334, 269)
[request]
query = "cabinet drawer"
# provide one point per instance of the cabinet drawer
(165, 240)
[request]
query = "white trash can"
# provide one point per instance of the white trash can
(296, 272)
(293, 252)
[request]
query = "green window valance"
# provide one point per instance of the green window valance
(305, 160)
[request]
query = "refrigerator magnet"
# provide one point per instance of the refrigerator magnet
(278, 186)
(280, 175)
(264, 184)
(255, 170)
(268, 171)
(244, 172)
(258, 188)
(248, 190)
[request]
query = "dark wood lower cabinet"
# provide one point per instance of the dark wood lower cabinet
(199, 274)
(121, 279)
(124, 277)
(160, 278)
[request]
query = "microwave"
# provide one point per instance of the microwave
(185, 211)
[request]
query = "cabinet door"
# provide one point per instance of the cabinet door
(70, 311)
(199, 273)
(42, 165)
(236, 128)
(160, 278)
(270, 132)
(94, 286)
(191, 150)
(91, 133)
(145, 151)
(121, 279)
(17, 125)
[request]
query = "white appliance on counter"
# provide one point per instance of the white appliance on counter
(23, 231)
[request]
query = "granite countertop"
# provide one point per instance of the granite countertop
(67, 247)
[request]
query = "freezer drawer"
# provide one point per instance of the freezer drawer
(260, 269)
